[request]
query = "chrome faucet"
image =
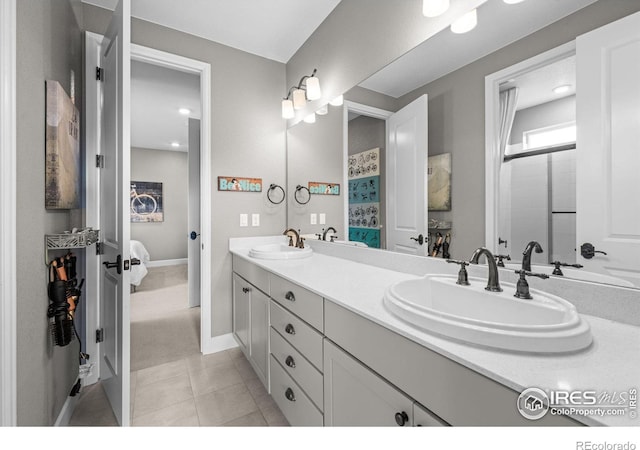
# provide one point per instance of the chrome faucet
(526, 260)
(324, 233)
(493, 284)
(291, 233)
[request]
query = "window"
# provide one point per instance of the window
(549, 136)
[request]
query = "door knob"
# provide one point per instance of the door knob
(135, 262)
(402, 418)
(588, 251)
(419, 239)
(114, 265)
(193, 235)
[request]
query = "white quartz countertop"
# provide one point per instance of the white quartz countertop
(610, 365)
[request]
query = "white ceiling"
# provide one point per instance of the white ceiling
(499, 24)
(536, 87)
(156, 95)
(274, 29)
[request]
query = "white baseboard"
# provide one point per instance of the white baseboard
(67, 410)
(218, 344)
(167, 262)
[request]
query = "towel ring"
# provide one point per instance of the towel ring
(273, 187)
(298, 189)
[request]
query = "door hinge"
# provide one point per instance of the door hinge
(100, 161)
(99, 73)
(99, 335)
(99, 248)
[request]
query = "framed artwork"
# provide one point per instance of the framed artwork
(439, 182)
(146, 202)
(62, 149)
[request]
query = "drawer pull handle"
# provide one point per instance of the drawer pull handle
(290, 395)
(289, 329)
(246, 289)
(290, 362)
(402, 418)
(289, 296)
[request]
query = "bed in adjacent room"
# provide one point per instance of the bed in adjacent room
(138, 272)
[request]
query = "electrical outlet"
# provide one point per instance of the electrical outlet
(255, 220)
(323, 218)
(244, 220)
(314, 219)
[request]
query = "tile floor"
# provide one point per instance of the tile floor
(220, 389)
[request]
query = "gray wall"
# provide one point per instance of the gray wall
(456, 115)
(551, 113)
(315, 153)
(247, 139)
(49, 46)
(168, 239)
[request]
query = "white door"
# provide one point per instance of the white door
(195, 247)
(114, 214)
(608, 120)
(407, 150)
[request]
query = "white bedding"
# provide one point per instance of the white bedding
(139, 251)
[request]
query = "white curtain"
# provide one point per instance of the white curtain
(508, 103)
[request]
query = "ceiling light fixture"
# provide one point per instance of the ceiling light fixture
(512, 2)
(338, 101)
(465, 23)
(307, 89)
(175, 144)
(434, 8)
(184, 111)
(562, 89)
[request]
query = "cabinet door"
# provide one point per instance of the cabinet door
(356, 396)
(241, 297)
(259, 336)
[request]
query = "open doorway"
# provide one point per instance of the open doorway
(165, 299)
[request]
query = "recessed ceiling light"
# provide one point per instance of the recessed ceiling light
(512, 2)
(175, 144)
(184, 111)
(434, 8)
(562, 89)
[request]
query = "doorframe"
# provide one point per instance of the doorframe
(365, 110)
(492, 110)
(92, 95)
(8, 214)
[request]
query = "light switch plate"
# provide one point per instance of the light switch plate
(255, 220)
(244, 220)
(314, 219)
(323, 218)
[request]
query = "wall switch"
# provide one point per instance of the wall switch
(323, 218)
(244, 220)
(314, 219)
(255, 220)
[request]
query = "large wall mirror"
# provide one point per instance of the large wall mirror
(451, 70)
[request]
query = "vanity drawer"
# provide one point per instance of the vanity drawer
(293, 402)
(252, 273)
(300, 335)
(301, 370)
(305, 304)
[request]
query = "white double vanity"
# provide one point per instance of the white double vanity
(332, 350)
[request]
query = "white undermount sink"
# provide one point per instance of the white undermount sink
(436, 304)
(279, 251)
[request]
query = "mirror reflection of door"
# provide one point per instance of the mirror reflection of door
(538, 170)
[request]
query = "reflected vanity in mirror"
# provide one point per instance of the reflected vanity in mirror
(451, 70)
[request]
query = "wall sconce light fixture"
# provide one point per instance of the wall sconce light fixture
(307, 89)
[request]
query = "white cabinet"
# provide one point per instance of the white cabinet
(251, 325)
(356, 396)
